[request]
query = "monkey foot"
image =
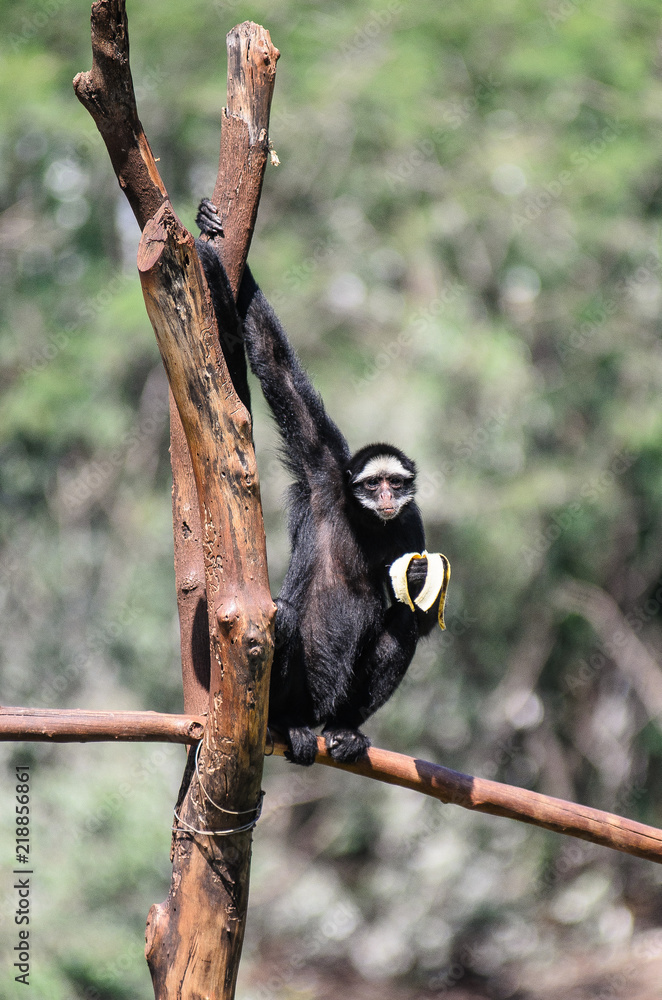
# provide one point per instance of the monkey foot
(208, 220)
(346, 745)
(303, 745)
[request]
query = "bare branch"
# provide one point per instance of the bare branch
(453, 787)
(107, 92)
(497, 799)
(194, 939)
(244, 142)
(209, 888)
(80, 726)
(244, 148)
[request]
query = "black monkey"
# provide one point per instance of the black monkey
(343, 643)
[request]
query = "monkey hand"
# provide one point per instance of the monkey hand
(420, 580)
(417, 574)
(208, 220)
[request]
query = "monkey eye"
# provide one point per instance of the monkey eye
(371, 484)
(396, 482)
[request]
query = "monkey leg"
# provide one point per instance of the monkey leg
(287, 700)
(302, 745)
(286, 628)
(376, 679)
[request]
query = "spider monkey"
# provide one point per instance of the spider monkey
(343, 642)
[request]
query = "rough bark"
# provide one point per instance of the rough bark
(210, 874)
(107, 93)
(244, 142)
(244, 148)
(189, 571)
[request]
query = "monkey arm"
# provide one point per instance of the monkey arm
(230, 330)
(416, 576)
(314, 444)
(426, 621)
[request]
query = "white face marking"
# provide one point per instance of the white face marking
(384, 486)
(384, 515)
(382, 467)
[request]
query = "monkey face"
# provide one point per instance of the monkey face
(384, 486)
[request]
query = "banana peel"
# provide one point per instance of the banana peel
(434, 588)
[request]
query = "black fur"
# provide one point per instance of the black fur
(230, 331)
(343, 643)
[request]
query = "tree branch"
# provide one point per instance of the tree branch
(452, 787)
(210, 883)
(194, 939)
(497, 799)
(54, 725)
(244, 148)
(107, 92)
(244, 142)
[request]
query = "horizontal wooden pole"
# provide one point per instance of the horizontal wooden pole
(477, 794)
(80, 726)
(483, 795)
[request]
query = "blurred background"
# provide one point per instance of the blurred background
(463, 242)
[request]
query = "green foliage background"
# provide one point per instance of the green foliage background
(463, 241)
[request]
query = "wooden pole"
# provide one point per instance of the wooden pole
(107, 93)
(453, 787)
(497, 799)
(54, 725)
(194, 939)
(244, 149)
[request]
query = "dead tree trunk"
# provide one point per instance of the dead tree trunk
(244, 148)
(194, 939)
